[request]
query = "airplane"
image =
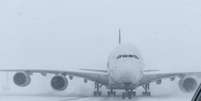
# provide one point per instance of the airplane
(125, 71)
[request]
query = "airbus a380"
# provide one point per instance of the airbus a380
(125, 71)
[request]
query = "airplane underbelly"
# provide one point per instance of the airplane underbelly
(126, 75)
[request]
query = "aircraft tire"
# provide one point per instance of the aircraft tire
(123, 95)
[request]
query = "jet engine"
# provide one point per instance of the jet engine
(22, 79)
(188, 83)
(59, 82)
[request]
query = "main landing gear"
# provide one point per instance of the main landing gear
(128, 93)
(146, 88)
(111, 93)
(97, 91)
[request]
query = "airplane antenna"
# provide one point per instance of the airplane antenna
(119, 36)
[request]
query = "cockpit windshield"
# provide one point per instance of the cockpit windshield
(128, 56)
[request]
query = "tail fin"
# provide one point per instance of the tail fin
(119, 36)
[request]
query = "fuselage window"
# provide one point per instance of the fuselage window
(127, 56)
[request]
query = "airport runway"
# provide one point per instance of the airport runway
(163, 96)
(50, 98)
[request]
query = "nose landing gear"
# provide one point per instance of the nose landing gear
(111, 93)
(146, 88)
(128, 93)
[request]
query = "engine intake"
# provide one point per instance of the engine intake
(22, 79)
(59, 82)
(188, 84)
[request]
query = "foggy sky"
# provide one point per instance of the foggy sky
(76, 33)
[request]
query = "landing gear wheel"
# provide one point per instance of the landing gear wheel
(114, 94)
(123, 95)
(108, 94)
(146, 93)
(129, 95)
(97, 91)
(146, 88)
(134, 93)
(111, 93)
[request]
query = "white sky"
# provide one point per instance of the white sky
(74, 33)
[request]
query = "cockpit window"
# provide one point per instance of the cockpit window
(127, 56)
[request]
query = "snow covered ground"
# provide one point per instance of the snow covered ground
(49, 98)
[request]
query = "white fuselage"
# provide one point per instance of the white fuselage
(125, 65)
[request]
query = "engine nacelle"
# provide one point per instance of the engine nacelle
(22, 79)
(59, 82)
(188, 84)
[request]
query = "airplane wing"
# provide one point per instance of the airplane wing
(94, 70)
(98, 77)
(152, 77)
(105, 71)
(150, 70)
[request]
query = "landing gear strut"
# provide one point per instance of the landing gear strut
(146, 88)
(111, 93)
(97, 91)
(128, 93)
